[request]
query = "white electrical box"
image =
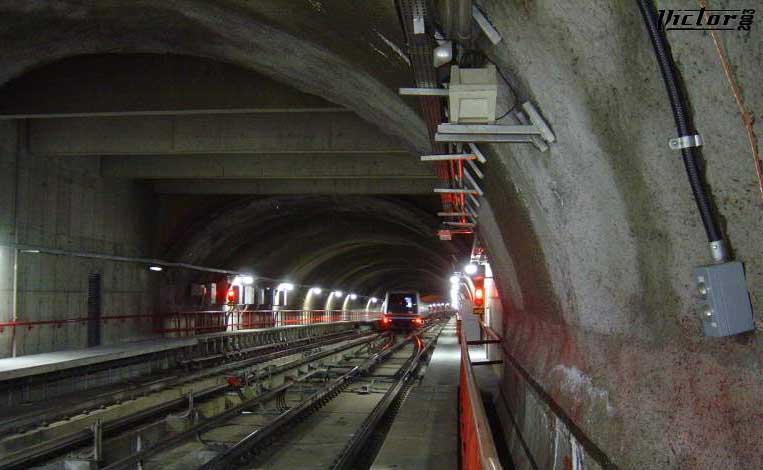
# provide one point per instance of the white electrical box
(472, 95)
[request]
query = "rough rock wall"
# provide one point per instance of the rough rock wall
(594, 243)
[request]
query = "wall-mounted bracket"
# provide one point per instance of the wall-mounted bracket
(487, 28)
(454, 214)
(533, 129)
(456, 191)
(470, 197)
(424, 92)
(477, 172)
(476, 151)
(460, 224)
(448, 157)
(686, 141)
(472, 182)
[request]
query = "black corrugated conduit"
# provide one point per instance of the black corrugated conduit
(684, 127)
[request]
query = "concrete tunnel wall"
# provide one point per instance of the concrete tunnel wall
(64, 204)
(593, 244)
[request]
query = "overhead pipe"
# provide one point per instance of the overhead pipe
(457, 19)
(686, 130)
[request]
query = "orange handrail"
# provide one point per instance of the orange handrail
(478, 450)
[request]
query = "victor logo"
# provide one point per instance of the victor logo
(739, 20)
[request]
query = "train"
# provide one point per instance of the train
(404, 310)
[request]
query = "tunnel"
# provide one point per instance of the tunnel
(564, 193)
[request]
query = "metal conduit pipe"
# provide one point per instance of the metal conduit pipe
(457, 19)
(685, 128)
(130, 259)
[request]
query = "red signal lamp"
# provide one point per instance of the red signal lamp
(479, 293)
(231, 296)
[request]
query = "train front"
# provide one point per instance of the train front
(402, 311)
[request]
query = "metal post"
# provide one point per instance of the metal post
(97, 429)
(138, 448)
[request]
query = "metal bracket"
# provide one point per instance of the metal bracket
(460, 224)
(424, 92)
(473, 183)
(418, 24)
(685, 141)
(456, 191)
(539, 123)
(533, 129)
(470, 197)
(476, 151)
(448, 157)
(487, 28)
(475, 169)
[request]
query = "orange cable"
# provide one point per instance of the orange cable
(747, 119)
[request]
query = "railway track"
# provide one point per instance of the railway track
(189, 371)
(45, 436)
(332, 428)
(259, 416)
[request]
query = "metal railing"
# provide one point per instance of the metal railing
(185, 323)
(477, 446)
(58, 323)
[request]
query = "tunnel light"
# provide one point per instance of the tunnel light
(247, 279)
(443, 53)
(353, 296)
(156, 268)
(470, 268)
(287, 286)
(316, 290)
(454, 279)
(337, 293)
(30, 251)
(374, 300)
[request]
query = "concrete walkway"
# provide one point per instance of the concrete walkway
(34, 364)
(424, 434)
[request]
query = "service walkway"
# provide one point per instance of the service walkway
(38, 364)
(424, 434)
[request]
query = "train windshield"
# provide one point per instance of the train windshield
(402, 303)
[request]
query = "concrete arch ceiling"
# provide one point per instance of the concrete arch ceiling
(341, 52)
(363, 243)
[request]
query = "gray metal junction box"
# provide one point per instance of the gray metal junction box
(723, 303)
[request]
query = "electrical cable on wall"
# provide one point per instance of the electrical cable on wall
(685, 128)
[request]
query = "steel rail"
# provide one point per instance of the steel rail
(13, 424)
(130, 461)
(351, 451)
(227, 459)
(81, 437)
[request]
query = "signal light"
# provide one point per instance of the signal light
(479, 291)
(479, 297)
(231, 295)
